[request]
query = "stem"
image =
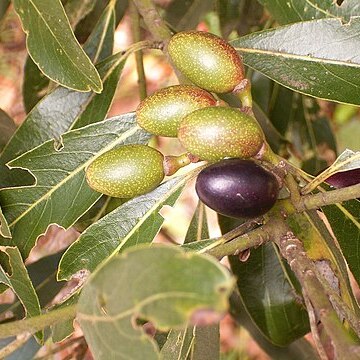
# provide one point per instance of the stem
(135, 24)
(346, 347)
(37, 323)
(315, 201)
(153, 20)
(245, 241)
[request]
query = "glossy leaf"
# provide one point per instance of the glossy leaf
(198, 228)
(4, 226)
(288, 11)
(344, 220)
(59, 111)
(53, 46)
(165, 290)
(84, 27)
(17, 278)
(7, 128)
(269, 295)
(59, 169)
(294, 57)
(77, 9)
(300, 349)
(98, 46)
(135, 222)
(347, 160)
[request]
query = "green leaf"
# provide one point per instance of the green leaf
(285, 11)
(270, 296)
(61, 194)
(291, 56)
(42, 274)
(347, 160)
(84, 27)
(7, 128)
(76, 10)
(185, 15)
(344, 220)
(198, 228)
(165, 290)
(59, 111)
(207, 343)
(135, 222)
(200, 245)
(4, 226)
(297, 350)
(53, 46)
(17, 278)
(178, 344)
(98, 46)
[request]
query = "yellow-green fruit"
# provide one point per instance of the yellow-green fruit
(161, 113)
(206, 60)
(215, 133)
(126, 171)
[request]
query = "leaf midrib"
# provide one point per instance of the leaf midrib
(296, 56)
(62, 48)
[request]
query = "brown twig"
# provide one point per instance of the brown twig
(135, 24)
(153, 20)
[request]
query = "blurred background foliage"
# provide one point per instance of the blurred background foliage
(318, 130)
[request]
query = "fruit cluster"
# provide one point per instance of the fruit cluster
(234, 186)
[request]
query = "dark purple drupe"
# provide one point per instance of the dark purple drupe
(237, 188)
(344, 178)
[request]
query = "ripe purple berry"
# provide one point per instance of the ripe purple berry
(237, 188)
(344, 178)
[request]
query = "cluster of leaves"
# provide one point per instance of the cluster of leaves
(42, 176)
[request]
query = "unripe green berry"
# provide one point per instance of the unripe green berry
(206, 60)
(161, 113)
(126, 171)
(215, 133)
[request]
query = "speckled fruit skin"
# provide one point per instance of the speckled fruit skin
(161, 113)
(206, 60)
(237, 188)
(126, 171)
(344, 178)
(215, 133)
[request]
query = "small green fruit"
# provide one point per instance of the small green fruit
(161, 113)
(215, 133)
(126, 171)
(206, 60)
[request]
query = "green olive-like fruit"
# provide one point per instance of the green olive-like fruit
(161, 112)
(126, 171)
(206, 60)
(215, 133)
